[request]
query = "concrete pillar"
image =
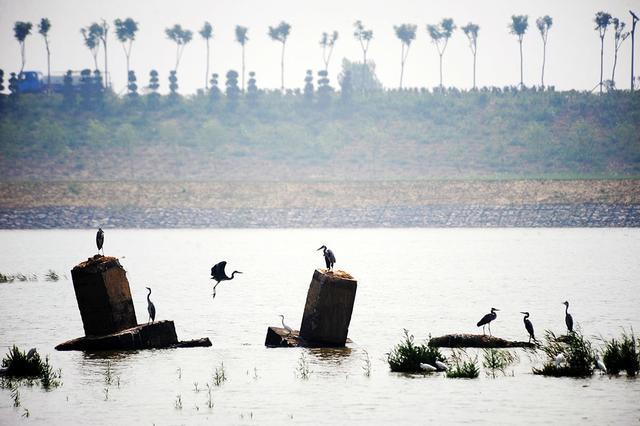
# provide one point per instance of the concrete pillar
(103, 295)
(327, 312)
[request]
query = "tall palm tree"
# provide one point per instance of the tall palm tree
(91, 35)
(207, 34)
(280, 34)
(440, 35)
(602, 20)
(180, 37)
(242, 38)
(327, 42)
(363, 36)
(103, 39)
(518, 27)
(126, 32)
(471, 31)
(544, 23)
(43, 28)
(620, 35)
(21, 30)
(406, 33)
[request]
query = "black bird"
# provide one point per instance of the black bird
(568, 319)
(528, 326)
(218, 274)
(329, 258)
(151, 308)
(487, 320)
(100, 239)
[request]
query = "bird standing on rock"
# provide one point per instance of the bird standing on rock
(568, 319)
(218, 274)
(285, 326)
(528, 326)
(486, 320)
(151, 308)
(329, 258)
(100, 240)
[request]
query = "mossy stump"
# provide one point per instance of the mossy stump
(475, 341)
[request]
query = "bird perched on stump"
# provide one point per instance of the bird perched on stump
(100, 239)
(528, 326)
(218, 274)
(285, 326)
(151, 308)
(568, 319)
(329, 258)
(486, 320)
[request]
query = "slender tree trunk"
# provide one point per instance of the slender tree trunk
(544, 59)
(46, 43)
(401, 65)
(95, 61)
(521, 72)
(441, 71)
(22, 54)
(613, 72)
(106, 68)
(474, 69)
(633, 34)
(282, 69)
(206, 74)
(364, 56)
(601, 60)
(243, 67)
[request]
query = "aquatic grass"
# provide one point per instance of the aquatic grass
(15, 395)
(29, 366)
(106, 393)
(406, 356)
(195, 387)
(494, 360)
(366, 366)
(622, 355)
(219, 376)
(462, 366)
(578, 352)
(178, 402)
(179, 371)
(48, 377)
(108, 374)
(26, 413)
(303, 367)
(209, 398)
(51, 275)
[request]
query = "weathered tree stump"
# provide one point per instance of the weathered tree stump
(475, 341)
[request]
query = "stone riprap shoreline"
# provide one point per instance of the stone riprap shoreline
(523, 203)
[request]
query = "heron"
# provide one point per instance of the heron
(427, 368)
(100, 240)
(218, 274)
(568, 319)
(441, 366)
(32, 352)
(486, 320)
(528, 326)
(329, 257)
(559, 360)
(600, 365)
(151, 308)
(285, 326)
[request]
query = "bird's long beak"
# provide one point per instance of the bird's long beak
(523, 313)
(238, 272)
(319, 249)
(496, 309)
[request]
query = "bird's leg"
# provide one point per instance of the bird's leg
(489, 329)
(483, 332)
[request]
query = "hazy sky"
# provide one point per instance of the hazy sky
(573, 52)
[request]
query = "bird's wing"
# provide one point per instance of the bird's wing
(332, 258)
(218, 270)
(485, 319)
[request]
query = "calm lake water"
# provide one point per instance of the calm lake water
(430, 281)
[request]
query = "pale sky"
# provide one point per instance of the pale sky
(573, 51)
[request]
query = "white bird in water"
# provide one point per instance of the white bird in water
(600, 365)
(428, 368)
(285, 326)
(560, 359)
(441, 366)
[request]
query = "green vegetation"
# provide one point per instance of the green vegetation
(462, 365)
(407, 356)
(18, 365)
(622, 355)
(579, 355)
(415, 134)
(494, 360)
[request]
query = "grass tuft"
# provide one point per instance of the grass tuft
(462, 366)
(622, 355)
(407, 356)
(578, 351)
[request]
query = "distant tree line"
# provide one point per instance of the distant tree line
(95, 37)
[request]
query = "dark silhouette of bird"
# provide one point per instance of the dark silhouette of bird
(100, 239)
(151, 308)
(218, 274)
(486, 320)
(329, 258)
(528, 326)
(568, 319)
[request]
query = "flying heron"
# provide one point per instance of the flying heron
(528, 326)
(329, 257)
(151, 308)
(285, 326)
(486, 320)
(568, 319)
(218, 274)
(100, 239)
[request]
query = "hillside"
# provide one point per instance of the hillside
(384, 135)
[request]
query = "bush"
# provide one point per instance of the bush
(463, 366)
(19, 365)
(497, 360)
(622, 355)
(579, 355)
(407, 356)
